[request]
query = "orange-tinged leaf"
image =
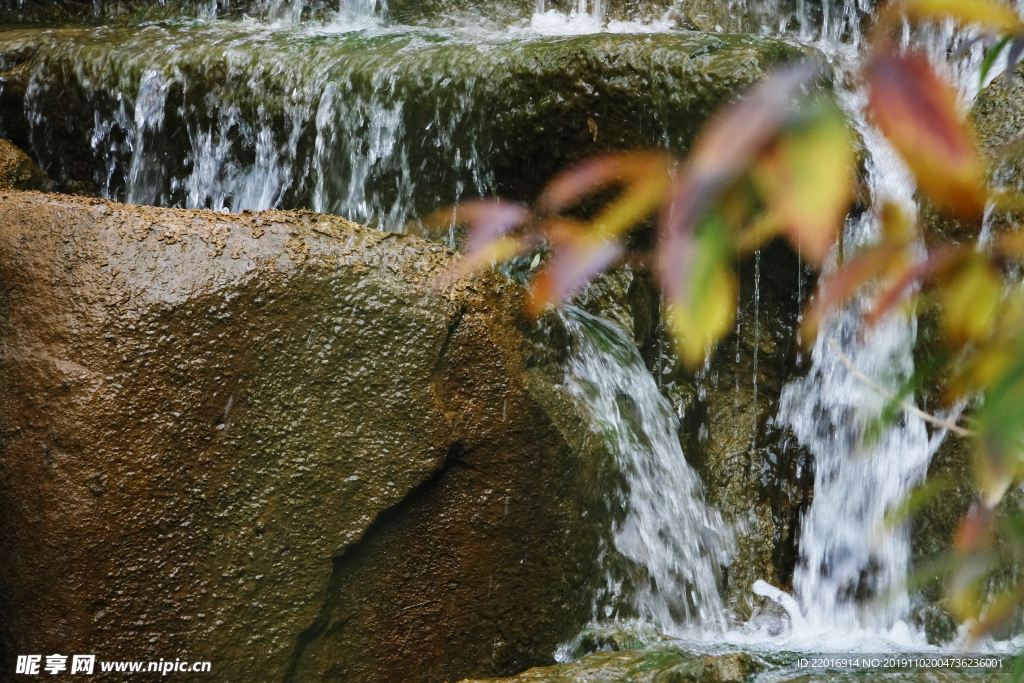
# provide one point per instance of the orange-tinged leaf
(901, 286)
(739, 133)
(485, 255)
(807, 180)
(489, 221)
(1011, 244)
(578, 254)
(644, 177)
(993, 16)
(918, 113)
(975, 531)
(723, 151)
(846, 282)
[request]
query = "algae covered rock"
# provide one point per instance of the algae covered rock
(665, 664)
(386, 125)
(266, 441)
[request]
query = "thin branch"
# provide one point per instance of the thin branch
(909, 407)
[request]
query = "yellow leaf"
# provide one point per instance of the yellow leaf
(971, 301)
(807, 180)
(702, 311)
(993, 16)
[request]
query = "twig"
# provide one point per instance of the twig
(909, 407)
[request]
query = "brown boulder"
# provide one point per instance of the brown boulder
(263, 440)
(19, 172)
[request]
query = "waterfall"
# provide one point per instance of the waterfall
(669, 529)
(865, 466)
(363, 115)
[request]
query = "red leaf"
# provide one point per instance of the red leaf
(936, 261)
(918, 112)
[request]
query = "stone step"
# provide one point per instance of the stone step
(378, 124)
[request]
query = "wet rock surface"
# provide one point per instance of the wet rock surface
(753, 470)
(666, 664)
(391, 124)
(264, 441)
(19, 172)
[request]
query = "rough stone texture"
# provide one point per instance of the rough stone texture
(500, 116)
(659, 665)
(264, 441)
(122, 12)
(19, 172)
(629, 298)
(998, 114)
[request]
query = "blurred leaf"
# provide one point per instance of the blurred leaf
(1011, 244)
(897, 227)
(964, 589)
(931, 571)
(976, 531)
(998, 612)
(644, 177)
(807, 179)
(702, 308)
(578, 254)
(970, 302)
(990, 58)
(999, 454)
(991, 362)
(917, 111)
(724, 150)
(846, 282)
(918, 499)
(1013, 532)
(901, 286)
(988, 14)
(489, 222)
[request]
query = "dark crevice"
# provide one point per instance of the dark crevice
(435, 373)
(341, 563)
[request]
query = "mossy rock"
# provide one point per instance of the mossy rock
(285, 118)
(664, 664)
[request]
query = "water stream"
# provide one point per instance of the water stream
(668, 529)
(381, 122)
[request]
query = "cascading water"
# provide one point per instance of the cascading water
(363, 118)
(669, 529)
(847, 553)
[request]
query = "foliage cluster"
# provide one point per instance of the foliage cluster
(782, 162)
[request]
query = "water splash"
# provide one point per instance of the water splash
(669, 529)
